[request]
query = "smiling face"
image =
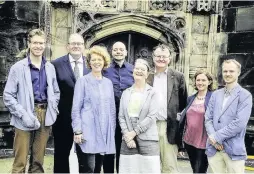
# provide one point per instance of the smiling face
(76, 45)
(230, 72)
(96, 62)
(161, 58)
(202, 82)
(119, 51)
(37, 45)
(140, 71)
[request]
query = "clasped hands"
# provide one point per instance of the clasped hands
(215, 144)
(128, 138)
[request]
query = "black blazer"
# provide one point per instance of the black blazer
(66, 82)
(176, 97)
(182, 122)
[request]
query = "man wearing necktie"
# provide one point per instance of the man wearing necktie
(68, 69)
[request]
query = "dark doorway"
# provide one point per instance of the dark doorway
(138, 45)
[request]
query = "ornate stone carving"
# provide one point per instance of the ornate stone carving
(145, 54)
(165, 4)
(130, 5)
(91, 4)
(203, 5)
(175, 23)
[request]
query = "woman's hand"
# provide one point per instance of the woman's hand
(78, 139)
(129, 136)
(131, 144)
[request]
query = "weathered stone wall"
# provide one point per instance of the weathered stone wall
(17, 18)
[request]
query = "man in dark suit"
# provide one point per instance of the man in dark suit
(171, 88)
(68, 69)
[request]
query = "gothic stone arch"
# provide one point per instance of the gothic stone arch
(168, 30)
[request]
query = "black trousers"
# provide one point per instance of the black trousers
(86, 161)
(63, 141)
(198, 159)
(109, 160)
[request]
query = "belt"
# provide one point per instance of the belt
(41, 105)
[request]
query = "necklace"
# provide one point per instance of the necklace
(200, 98)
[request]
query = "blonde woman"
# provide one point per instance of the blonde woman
(93, 112)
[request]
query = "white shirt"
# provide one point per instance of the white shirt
(80, 64)
(160, 86)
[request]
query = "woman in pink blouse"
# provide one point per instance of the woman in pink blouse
(192, 128)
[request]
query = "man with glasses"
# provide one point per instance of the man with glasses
(171, 87)
(120, 73)
(68, 69)
(31, 94)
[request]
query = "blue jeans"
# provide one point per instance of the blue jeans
(86, 161)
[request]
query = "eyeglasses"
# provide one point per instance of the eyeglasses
(38, 43)
(76, 43)
(161, 57)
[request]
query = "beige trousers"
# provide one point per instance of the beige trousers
(38, 140)
(168, 152)
(222, 163)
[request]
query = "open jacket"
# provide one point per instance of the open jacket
(19, 97)
(228, 125)
(146, 128)
(176, 97)
(183, 120)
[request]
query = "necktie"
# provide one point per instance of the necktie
(76, 70)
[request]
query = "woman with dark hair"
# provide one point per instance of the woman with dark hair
(93, 112)
(137, 117)
(193, 135)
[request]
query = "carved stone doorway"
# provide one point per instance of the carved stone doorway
(138, 45)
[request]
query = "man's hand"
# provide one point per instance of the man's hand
(129, 136)
(28, 122)
(131, 144)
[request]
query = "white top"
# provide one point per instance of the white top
(80, 64)
(160, 86)
(135, 104)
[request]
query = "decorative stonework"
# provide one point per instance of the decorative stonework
(211, 6)
(132, 6)
(200, 24)
(93, 5)
(145, 54)
(165, 4)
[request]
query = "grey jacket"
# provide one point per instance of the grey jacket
(19, 98)
(146, 128)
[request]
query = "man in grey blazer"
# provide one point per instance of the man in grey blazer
(226, 119)
(31, 94)
(171, 87)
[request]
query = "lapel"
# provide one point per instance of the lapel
(234, 95)
(150, 78)
(28, 80)
(67, 66)
(170, 83)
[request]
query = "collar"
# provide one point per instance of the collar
(164, 72)
(30, 62)
(80, 60)
(229, 92)
(114, 64)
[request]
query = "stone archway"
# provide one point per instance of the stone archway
(168, 30)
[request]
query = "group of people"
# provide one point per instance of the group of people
(115, 111)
